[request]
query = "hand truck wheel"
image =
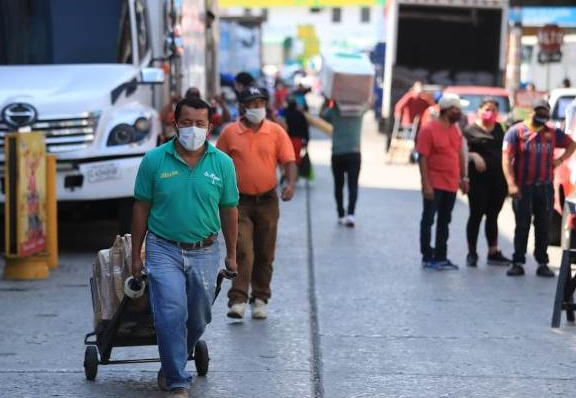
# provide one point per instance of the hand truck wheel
(201, 358)
(91, 362)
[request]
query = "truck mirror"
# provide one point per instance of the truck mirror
(152, 76)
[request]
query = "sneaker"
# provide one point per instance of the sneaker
(446, 265)
(498, 258)
(441, 265)
(236, 311)
(179, 392)
(162, 381)
(259, 309)
(350, 221)
(472, 260)
(341, 220)
(515, 270)
(545, 271)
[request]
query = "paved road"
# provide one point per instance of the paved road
(352, 314)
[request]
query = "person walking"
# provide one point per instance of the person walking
(298, 128)
(346, 158)
(443, 169)
(257, 146)
(488, 188)
(528, 162)
(185, 192)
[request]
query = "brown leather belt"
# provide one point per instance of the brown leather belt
(193, 246)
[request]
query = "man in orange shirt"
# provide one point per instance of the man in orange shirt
(257, 146)
(442, 169)
(413, 104)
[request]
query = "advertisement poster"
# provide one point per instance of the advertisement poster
(31, 193)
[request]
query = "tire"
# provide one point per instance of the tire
(91, 362)
(201, 358)
(568, 237)
(555, 229)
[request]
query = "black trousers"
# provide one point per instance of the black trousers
(346, 164)
(442, 204)
(537, 203)
(486, 198)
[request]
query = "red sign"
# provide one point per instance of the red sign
(550, 38)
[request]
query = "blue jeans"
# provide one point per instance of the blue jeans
(442, 204)
(182, 286)
(537, 201)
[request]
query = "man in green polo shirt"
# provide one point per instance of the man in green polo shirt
(185, 192)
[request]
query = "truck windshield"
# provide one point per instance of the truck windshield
(34, 32)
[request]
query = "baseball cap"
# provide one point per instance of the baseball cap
(448, 100)
(251, 93)
(540, 103)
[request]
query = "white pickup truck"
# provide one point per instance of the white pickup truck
(82, 72)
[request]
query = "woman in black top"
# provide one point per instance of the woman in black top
(298, 128)
(488, 188)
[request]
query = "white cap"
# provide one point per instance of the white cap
(448, 100)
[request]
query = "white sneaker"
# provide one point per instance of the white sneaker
(237, 311)
(350, 221)
(259, 309)
(341, 220)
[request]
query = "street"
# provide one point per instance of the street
(352, 314)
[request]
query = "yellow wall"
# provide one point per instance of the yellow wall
(298, 3)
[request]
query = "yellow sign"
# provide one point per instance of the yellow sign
(299, 3)
(25, 156)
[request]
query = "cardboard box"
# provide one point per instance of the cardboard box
(347, 77)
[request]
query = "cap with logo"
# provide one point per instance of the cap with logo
(449, 100)
(251, 93)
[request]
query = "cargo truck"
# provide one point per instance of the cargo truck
(442, 42)
(87, 73)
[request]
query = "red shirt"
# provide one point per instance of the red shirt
(441, 145)
(410, 106)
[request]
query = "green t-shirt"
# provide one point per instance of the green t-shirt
(346, 130)
(185, 201)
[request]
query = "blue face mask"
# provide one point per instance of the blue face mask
(192, 138)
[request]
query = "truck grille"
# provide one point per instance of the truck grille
(62, 135)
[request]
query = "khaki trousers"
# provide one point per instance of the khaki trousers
(257, 230)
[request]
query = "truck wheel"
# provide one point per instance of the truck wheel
(568, 237)
(555, 229)
(124, 215)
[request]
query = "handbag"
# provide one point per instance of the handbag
(305, 168)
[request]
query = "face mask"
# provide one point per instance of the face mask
(488, 116)
(539, 121)
(453, 118)
(192, 138)
(255, 115)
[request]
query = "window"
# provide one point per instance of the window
(365, 14)
(142, 30)
(336, 14)
(125, 44)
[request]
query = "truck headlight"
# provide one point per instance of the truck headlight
(122, 134)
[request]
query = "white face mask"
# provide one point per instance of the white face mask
(255, 115)
(192, 138)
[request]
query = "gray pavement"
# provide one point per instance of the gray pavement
(352, 314)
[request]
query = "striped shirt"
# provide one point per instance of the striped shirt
(533, 151)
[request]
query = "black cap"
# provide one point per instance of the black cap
(540, 103)
(251, 93)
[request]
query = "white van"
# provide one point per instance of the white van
(85, 72)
